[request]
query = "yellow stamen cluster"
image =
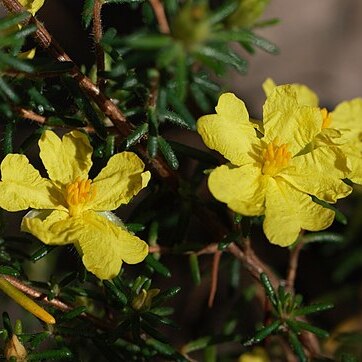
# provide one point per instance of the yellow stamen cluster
(275, 158)
(327, 118)
(77, 194)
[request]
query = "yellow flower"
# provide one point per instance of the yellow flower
(258, 354)
(69, 208)
(270, 175)
(32, 5)
(341, 128)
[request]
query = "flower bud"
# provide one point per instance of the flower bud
(14, 349)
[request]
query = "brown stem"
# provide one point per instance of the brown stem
(254, 265)
(160, 16)
(293, 265)
(97, 35)
(56, 303)
(49, 44)
(214, 277)
(41, 120)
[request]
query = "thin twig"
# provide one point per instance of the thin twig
(97, 36)
(41, 120)
(56, 303)
(214, 277)
(293, 265)
(160, 16)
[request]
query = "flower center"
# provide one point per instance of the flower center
(327, 118)
(77, 194)
(275, 158)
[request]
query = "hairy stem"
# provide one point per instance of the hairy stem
(97, 36)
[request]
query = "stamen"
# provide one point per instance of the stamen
(78, 194)
(327, 118)
(275, 158)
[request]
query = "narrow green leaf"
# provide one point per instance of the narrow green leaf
(162, 311)
(195, 269)
(135, 228)
(136, 135)
(197, 344)
(263, 333)
(223, 12)
(138, 284)
(269, 290)
(153, 332)
(16, 63)
(168, 153)
(313, 308)
(157, 266)
(148, 41)
(200, 98)
(119, 296)
(152, 146)
(8, 270)
(155, 319)
(8, 91)
(167, 294)
(181, 109)
(163, 348)
(55, 354)
(225, 56)
(300, 325)
(13, 19)
(74, 313)
(40, 253)
(174, 118)
(87, 12)
(297, 346)
(324, 237)
(8, 137)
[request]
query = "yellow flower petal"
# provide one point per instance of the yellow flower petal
(51, 227)
(348, 117)
(32, 5)
(318, 173)
(288, 122)
(229, 131)
(305, 96)
(67, 158)
(104, 245)
(288, 211)
(119, 181)
(353, 152)
(241, 188)
(23, 187)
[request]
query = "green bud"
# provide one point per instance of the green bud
(191, 25)
(248, 12)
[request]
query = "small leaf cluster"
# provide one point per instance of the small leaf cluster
(288, 317)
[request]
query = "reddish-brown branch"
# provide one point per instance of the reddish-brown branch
(56, 303)
(214, 277)
(293, 265)
(97, 35)
(160, 16)
(49, 44)
(41, 120)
